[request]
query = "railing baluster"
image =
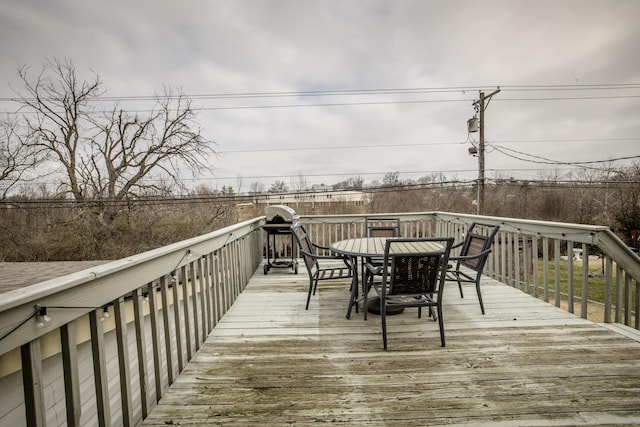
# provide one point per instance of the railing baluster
(176, 320)
(194, 305)
(184, 274)
(585, 281)
(536, 278)
(556, 268)
(70, 370)
(155, 337)
(215, 295)
(221, 300)
(570, 278)
(516, 264)
(123, 362)
(99, 370)
(32, 383)
(205, 304)
(608, 289)
(627, 299)
(545, 261)
(637, 305)
(503, 258)
(164, 291)
(141, 347)
(526, 256)
(619, 296)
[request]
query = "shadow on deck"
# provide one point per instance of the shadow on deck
(526, 362)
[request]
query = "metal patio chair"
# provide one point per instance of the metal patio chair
(310, 252)
(467, 267)
(413, 279)
(372, 266)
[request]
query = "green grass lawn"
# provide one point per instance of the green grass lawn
(596, 283)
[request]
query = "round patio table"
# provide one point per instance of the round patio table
(373, 247)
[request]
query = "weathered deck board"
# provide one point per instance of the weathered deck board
(270, 362)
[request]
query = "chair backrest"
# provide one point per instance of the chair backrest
(382, 227)
(479, 238)
(306, 246)
(410, 270)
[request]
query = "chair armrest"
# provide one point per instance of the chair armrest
(373, 269)
(457, 245)
(467, 257)
(334, 257)
(326, 248)
(343, 258)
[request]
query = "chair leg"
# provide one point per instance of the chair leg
(353, 297)
(365, 292)
(311, 289)
(460, 287)
(479, 296)
(441, 324)
(383, 318)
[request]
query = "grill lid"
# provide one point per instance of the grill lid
(278, 214)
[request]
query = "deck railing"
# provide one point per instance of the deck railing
(77, 367)
(584, 269)
(73, 367)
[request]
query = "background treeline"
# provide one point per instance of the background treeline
(37, 229)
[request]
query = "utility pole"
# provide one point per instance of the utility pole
(481, 105)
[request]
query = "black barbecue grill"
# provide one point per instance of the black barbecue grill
(279, 219)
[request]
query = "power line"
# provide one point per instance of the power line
(366, 92)
(544, 160)
(375, 91)
(420, 144)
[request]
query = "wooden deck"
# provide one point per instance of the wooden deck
(270, 362)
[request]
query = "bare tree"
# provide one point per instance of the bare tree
(391, 179)
(299, 183)
(256, 188)
(116, 154)
(278, 187)
(17, 157)
(356, 183)
(627, 212)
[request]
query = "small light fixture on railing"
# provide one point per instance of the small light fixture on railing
(42, 318)
(105, 313)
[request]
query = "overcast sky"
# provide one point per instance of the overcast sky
(390, 51)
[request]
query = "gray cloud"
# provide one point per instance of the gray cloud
(241, 46)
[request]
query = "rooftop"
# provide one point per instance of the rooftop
(18, 275)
